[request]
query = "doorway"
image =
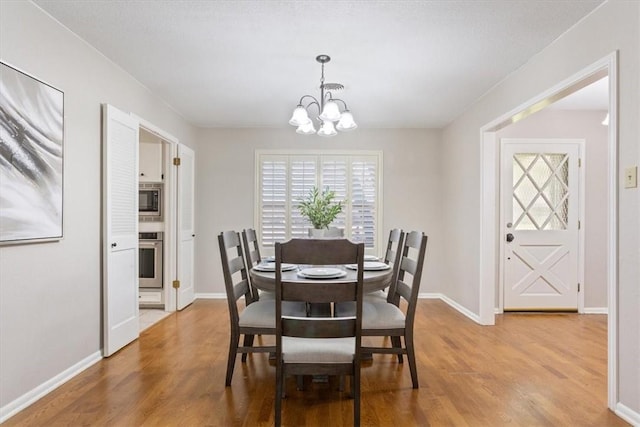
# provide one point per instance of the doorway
(489, 224)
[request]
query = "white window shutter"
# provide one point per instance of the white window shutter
(287, 177)
(302, 178)
(273, 200)
(364, 195)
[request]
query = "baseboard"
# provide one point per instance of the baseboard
(595, 310)
(628, 414)
(12, 408)
(211, 295)
(463, 310)
(430, 295)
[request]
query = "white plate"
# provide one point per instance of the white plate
(269, 259)
(371, 258)
(322, 273)
(369, 266)
(271, 266)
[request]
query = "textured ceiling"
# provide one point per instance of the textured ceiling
(409, 64)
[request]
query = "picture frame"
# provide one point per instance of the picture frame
(31, 158)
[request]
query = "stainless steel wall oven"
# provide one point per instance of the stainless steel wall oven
(150, 260)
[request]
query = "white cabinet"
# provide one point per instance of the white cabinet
(150, 162)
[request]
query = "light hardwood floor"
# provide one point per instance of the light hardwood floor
(528, 370)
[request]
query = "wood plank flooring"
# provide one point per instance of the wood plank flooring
(528, 370)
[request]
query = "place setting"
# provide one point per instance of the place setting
(370, 266)
(322, 273)
(271, 267)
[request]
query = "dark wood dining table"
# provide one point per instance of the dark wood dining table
(373, 280)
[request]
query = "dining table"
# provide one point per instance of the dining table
(373, 280)
(263, 277)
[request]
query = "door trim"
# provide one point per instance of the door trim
(581, 214)
(170, 191)
(489, 248)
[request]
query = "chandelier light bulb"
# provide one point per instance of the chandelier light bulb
(346, 122)
(330, 112)
(300, 117)
(307, 129)
(327, 129)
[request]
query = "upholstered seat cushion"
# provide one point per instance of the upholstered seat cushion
(378, 296)
(318, 350)
(375, 315)
(262, 314)
(267, 295)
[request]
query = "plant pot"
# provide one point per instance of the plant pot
(317, 233)
(326, 233)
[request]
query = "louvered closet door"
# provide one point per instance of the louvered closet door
(120, 251)
(541, 211)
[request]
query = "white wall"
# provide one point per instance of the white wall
(50, 293)
(225, 187)
(613, 26)
(585, 125)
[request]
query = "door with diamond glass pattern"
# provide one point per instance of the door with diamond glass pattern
(540, 211)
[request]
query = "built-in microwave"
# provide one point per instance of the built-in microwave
(150, 201)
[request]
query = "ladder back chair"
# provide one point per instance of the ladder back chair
(319, 345)
(257, 317)
(381, 319)
(253, 258)
(392, 258)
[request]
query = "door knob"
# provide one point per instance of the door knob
(510, 237)
(113, 245)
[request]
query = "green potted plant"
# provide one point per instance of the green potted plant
(320, 209)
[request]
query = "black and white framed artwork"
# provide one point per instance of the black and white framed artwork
(31, 158)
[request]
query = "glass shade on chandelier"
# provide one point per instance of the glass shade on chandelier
(306, 129)
(346, 122)
(327, 129)
(329, 110)
(300, 116)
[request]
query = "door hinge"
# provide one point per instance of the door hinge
(176, 161)
(578, 287)
(579, 162)
(579, 225)
(176, 284)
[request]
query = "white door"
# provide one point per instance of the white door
(186, 231)
(120, 233)
(540, 211)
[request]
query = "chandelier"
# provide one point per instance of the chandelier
(328, 109)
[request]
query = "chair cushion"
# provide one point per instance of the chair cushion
(375, 315)
(267, 295)
(262, 314)
(378, 296)
(318, 350)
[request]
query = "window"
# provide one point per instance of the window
(283, 178)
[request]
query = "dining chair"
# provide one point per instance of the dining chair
(253, 258)
(319, 345)
(381, 319)
(257, 317)
(391, 258)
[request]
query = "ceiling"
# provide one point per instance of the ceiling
(404, 64)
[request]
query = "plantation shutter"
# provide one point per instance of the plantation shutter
(286, 178)
(303, 179)
(334, 177)
(364, 195)
(273, 200)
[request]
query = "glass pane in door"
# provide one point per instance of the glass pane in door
(147, 263)
(540, 191)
